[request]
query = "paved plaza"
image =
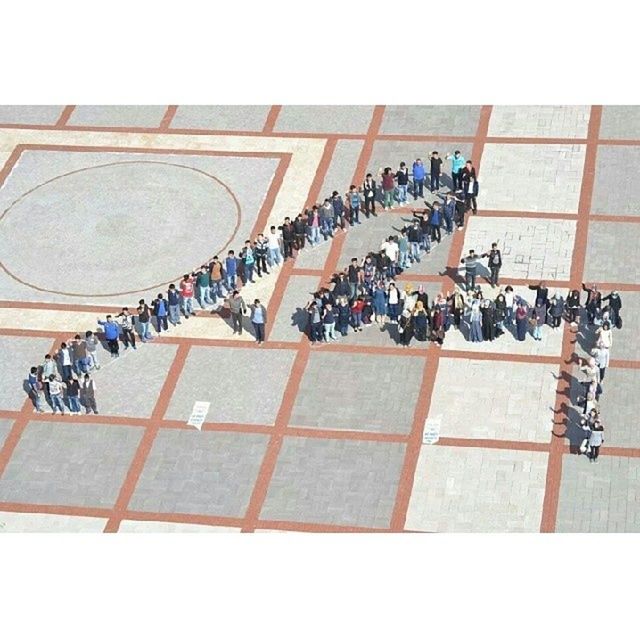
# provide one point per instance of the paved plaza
(103, 205)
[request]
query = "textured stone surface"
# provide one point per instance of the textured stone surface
(80, 465)
(616, 190)
(495, 400)
(49, 523)
(221, 117)
(544, 121)
(30, 114)
(358, 392)
(528, 177)
(243, 385)
(324, 119)
(608, 256)
(291, 321)
(5, 428)
(117, 116)
(335, 482)
(152, 526)
(599, 498)
(342, 168)
(459, 120)
(620, 122)
(477, 490)
(195, 472)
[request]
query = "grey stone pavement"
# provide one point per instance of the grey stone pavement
(350, 446)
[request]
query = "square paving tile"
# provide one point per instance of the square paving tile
(362, 382)
(11, 522)
(121, 390)
(335, 482)
(495, 400)
(208, 472)
(291, 322)
(616, 190)
(598, 498)
(532, 249)
(117, 115)
(5, 428)
(152, 526)
(542, 121)
(531, 177)
(459, 120)
(608, 241)
(620, 122)
(390, 153)
(324, 118)
(468, 489)
(243, 385)
(60, 463)
(620, 405)
(314, 257)
(221, 117)
(18, 356)
(30, 114)
(342, 168)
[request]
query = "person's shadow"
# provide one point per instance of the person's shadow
(299, 319)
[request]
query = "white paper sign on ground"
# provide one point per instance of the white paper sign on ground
(431, 433)
(198, 414)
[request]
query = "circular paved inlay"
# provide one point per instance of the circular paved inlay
(117, 228)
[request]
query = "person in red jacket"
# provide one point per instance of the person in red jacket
(186, 293)
(356, 313)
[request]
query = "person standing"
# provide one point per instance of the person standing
(573, 307)
(288, 238)
(338, 210)
(436, 170)
(79, 353)
(73, 395)
(354, 204)
(65, 361)
(249, 261)
(388, 188)
(402, 178)
(356, 313)
(457, 164)
(89, 394)
(259, 320)
(471, 270)
(542, 293)
(460, 210)
(353, 278)
(393, 302)
(420, 322)
(92, 349)
(173, 300)
(186, 293)
(315, 322)
(379, 303)
(521, 316)
(593, 303)
(405, 328)
(435, 222)
(300, 232)
(238, 308)
(470, 187)
(203, 287)
(144, 319)
(556, 309)
(49, 369)
(35, 389)
(615, 304)
(538, 317)
(414, 235)
(111, 333)
(369, 192)
(510, 305)
(448, 212)
(275, 252)
(601, 356)
(418, 172)
(495, 262)
(475, 321)
(161, 312)
(55, 394)
(216, 278)
(126, 328)
(313, 224)
(596, 440)
(329, 322)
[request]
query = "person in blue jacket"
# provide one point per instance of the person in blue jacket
(418, 171)
(380, 303)
(111, 333)
(457, 164)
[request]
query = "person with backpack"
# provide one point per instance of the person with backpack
(144, 321)
(160, 311)
(111, 333)
(369, 193)
(173, 303)
(495, 262)
(126, 328)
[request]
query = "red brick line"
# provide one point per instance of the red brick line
(169, 115)
(10, 163)
(624, 364)
(272, 118)
(430, 372)
(64, 117)
(268, 466)
(144, 448)
(270, 198)
(298, 271)
(283, 277)
(511, 445)
(554, 464)
(600, 217)
(182, 518)
(312, 527)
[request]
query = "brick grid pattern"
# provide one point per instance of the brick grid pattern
(509, 475)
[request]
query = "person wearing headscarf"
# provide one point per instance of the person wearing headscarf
(420, 322)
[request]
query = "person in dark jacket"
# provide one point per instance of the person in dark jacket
(470, 187)
(338, 210)
(556, 309)
(593, 303)
(495, 262)
(435, 222)
(435, 170)
(288, 238)
(542, 293)
(315, 322)
(405, 328)
(488, 320)
(111, 333)
(173, 304)
(341, 288)
(161, 312)
(471, 269)
(500, 313)
(343, 313)
(449, 212)
(615, 304)
(460, 209)
(369, 192)
(573, 307)
(300, 232)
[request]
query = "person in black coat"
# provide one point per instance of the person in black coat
(369, 191)
(542, 293)
(470, 187)
(615, 304)
(495, 262)
(593, 303)
(288, 238)
(573, 306)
